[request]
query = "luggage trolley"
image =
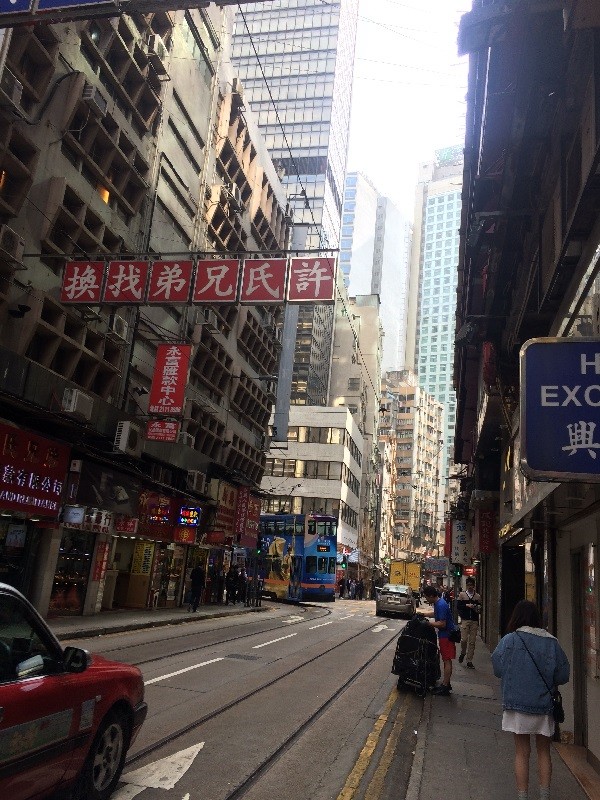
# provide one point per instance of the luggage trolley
(416, 660)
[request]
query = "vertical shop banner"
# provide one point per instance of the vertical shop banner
(82, 282)
(167, 393)
(170, 282)
(252, 524)
(263, 281)
(448, 538)
(33, 471)
(99, 569)
(312, 280)
(241, 513)
(143, 553)
(484, 539)
(216, 281)
(460, 542)
(223, 527)
(126, 282)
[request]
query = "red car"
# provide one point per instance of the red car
(66, 718)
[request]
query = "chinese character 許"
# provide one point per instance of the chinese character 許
(581, 437)
(307, 275)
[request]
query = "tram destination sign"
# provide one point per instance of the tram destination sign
(18, 12)
(560, 409)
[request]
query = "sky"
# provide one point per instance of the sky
(409, 91)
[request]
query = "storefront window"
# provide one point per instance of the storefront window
(72, 573)
(18, 545)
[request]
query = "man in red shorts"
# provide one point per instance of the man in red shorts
(444, 622)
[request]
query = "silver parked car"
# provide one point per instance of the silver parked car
(395, 598)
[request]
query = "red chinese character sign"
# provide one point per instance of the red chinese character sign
(162, 430)
(82, 282)
(263, 281)
(170, 282)
(216, 281)
(169, 380)
(32, 472)
(311, 280)
(126, 282)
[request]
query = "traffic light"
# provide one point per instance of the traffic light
(344, 562)
(457, 570)
(259, 545)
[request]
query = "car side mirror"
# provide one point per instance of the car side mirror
(76, 659)
(30, 667)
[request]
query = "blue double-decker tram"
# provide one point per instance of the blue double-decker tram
(298, 559)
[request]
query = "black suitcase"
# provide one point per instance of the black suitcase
(416, 660)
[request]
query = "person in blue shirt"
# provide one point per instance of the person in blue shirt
(444, 622)
(531, 663)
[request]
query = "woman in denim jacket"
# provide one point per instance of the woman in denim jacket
(526, 700)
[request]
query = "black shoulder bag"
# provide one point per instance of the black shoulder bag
(558, 711)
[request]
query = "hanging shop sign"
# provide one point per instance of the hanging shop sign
(461, 545)
(560, 402)
(484, 534)
(184, 535)
(95, 520)
(124, 524)
(33, 472)
(162, 430)
(437, 566)
(206, 281)
(167, 393)
(100, 563)
(189, 516)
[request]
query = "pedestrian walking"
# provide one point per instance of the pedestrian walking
(444, 622)
(231, 585)
(469, 608)
(531, 663)
(341, 585)
(197, 577)
(352, 589)
(360, 588)
(242, 586)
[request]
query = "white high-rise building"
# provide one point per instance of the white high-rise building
(374, 257)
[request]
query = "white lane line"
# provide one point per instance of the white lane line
(322, 625)
(349, 616)
(281, 638)
(181, 671)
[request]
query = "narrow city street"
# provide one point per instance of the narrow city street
(295, 701)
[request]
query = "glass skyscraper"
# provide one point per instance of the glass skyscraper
(295, 61)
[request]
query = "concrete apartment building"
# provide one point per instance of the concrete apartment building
(127, 136)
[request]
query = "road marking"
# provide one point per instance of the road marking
(375, 788)
(364, 759)
(379, 628)
(322, 625)
(181, 671)
(281, 638)
(349, 616)
(128, 792)
(161, 774)
(291, 620)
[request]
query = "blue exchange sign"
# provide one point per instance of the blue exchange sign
(14, 6)
(560, 409)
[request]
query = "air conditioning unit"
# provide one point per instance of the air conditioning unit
(235, 195)
(78, 404)
(119, 327)
(11, 244)
(186, 438)
(95, 99)
(208, 318)
(196, 481)
(128, 438)
(11, 86)
(157, 54)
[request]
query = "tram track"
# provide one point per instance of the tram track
(185, 651)
(264, 766)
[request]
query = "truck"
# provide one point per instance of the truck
(406, 572)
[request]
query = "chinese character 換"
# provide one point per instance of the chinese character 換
(81, 283)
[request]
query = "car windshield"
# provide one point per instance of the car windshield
(396, 588)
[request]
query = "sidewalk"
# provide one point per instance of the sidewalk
(462, 750)
(78, 627)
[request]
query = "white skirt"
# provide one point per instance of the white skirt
(518, 722)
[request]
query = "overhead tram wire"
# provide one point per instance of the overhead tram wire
(319, 228)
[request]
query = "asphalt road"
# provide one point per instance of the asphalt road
(297, 702)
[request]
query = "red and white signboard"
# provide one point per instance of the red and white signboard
(82, 282)
(216, 281)
(169, 380)
(162, 430)
(170, 282)
(484, 539)
(126, 282)
(312, 280)
(263, 281)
